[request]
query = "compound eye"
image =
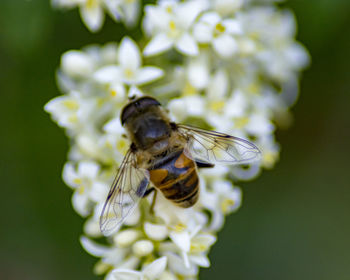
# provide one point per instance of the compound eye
(147, 101)
(137, 106)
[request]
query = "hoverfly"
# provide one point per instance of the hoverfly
(166, 154)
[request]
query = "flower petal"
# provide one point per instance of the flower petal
(92, 16)
(88, 169)
(81, 203)
(148, 74)
(114, 10)
(177, 265)
(99, 191)
(232, 26)
(159, 44)
(218, 86)
(156, 232)
(211, 18)
(225, 45)
(200, 260)
(259, 125)
(76, 64)
(126, 237)
(92, 247)
(107, 74)
(155, 269)
(187, 12)
(187, 45)
(129, 54)
(203, 32)
(70, 176)
(204, 241)
(126, 274)
(131, 12)
(182, 239)
(198, 72)
(92, 228)
(142, 248)
(114, 126)
(227, 7)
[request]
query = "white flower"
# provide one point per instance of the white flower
(127, 10)
(236, 71)
(76, 64)
(92, 14)
(92, 11)
(170, 25)
(110, 256)
(86, 184)
(178, 266)
(71, 111)
(221, 199)
(129, 70)
(218, 32)
(188, 251)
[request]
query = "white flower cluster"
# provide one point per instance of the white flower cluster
(92, 11)
(226, 65)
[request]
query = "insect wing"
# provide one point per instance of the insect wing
(126, 191)
(218, 148)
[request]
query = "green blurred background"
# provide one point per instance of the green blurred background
(294, 223)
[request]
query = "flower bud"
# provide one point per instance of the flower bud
(143, 248)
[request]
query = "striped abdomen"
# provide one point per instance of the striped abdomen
(176, 177)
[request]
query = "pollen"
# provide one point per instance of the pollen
(219, 28)
(254, 88)
(122, 146)
(269, 159)
(172, 25)
(73, 119)
(90, 4)
(100, 103)
(71, 104)
(102, 267)
(241, 122)
(169, 9)
(217, 106)
(174, 32)
(109, 145)
(188, 90)
(81, 190)
(77, 181)
(113, 92)
(129, 74)
(179, 227)
(226, 205)
(197, 248)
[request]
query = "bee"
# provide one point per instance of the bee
(167, 155)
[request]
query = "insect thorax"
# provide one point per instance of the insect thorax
(149, 128)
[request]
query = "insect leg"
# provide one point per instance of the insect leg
(148, 192)
(201, 164)
(153, 202)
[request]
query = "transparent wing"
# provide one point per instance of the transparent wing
(126, 191)
(218, 148)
